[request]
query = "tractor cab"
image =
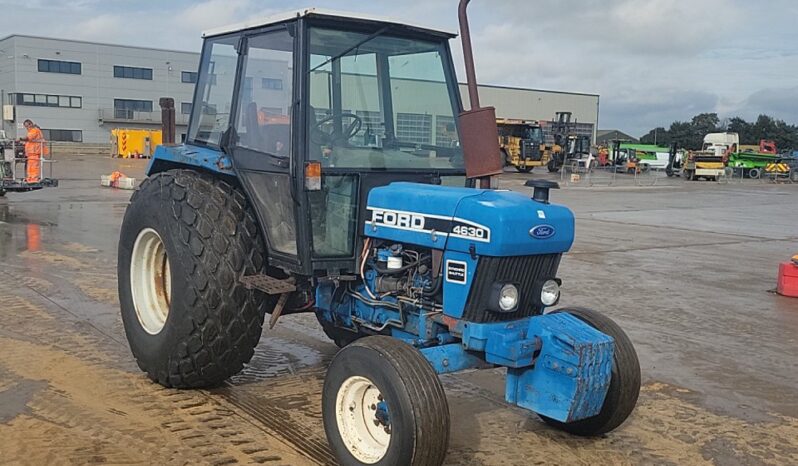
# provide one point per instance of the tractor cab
(313, 110)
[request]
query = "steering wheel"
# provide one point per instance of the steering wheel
(323, 138)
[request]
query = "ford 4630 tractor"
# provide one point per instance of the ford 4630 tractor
(329, 168)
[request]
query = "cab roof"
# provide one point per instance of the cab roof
(319, 13)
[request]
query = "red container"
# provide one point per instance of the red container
(788, 280)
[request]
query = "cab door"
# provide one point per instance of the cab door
(263, 147)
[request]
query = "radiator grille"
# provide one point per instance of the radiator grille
(524, 271)
(531, 150)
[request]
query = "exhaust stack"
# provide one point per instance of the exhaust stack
(167, 120)
(479, 134)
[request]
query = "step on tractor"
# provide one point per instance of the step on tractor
(312, 180)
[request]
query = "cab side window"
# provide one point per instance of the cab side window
(264, 119)
(211, 112)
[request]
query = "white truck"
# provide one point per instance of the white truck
(721, 143)
(710, 162)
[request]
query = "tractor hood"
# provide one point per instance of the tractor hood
(484, 222)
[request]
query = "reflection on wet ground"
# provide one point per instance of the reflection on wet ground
(714, 345)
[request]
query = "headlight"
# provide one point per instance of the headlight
(508, 298)
(550, 293)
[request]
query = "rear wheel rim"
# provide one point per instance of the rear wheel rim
(363, 419)
(150, 281)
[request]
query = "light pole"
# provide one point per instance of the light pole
(168, 74)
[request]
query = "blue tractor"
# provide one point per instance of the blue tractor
(329, 168)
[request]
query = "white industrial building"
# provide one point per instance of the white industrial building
(79, 91)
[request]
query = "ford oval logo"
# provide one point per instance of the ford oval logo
(542, 232)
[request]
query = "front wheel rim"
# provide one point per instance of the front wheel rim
(150, 281)
(363, 419)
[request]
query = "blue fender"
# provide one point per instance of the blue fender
(205, 158)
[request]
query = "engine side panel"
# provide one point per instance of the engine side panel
(481, 222)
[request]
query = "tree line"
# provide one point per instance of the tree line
(690, 134)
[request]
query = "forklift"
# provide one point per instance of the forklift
(414, 265)
(625, 159)
(573, 148)
(674, 161)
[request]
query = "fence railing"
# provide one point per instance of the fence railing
(576, 173)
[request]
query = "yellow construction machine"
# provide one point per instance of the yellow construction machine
(522, 144)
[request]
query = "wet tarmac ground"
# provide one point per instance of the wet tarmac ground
(685, 268)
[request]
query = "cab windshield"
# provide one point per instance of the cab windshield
(381, 102)
(534, 134)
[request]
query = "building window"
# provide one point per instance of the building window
(130, 72)
(585, 129)
(271, 83)
(372, 131)
(188, 77)
(48, 100)
(185, 108)
(445, 131)
(124, 108)
(414, 128)
(63, 135)
(57, 66)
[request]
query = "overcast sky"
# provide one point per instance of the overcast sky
(652, 61)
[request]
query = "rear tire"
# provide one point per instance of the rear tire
(523, 169)
(624, 385)
(383, 404)
(2, 192)
(186, 240)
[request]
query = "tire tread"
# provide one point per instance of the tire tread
(218, 234)
(424, 390)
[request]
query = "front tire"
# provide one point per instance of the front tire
(383, 404)
(524, 169)
(186, 240)
(624, 383)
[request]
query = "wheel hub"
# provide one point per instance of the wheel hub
(150, 281)
(363, 419)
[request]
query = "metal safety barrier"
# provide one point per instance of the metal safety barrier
(12, 163)
(577, 174)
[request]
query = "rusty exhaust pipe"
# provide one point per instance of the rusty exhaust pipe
(479, 134)
(167, 120)
(468, 55)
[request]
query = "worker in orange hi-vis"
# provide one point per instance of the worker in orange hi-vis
(35, 150)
